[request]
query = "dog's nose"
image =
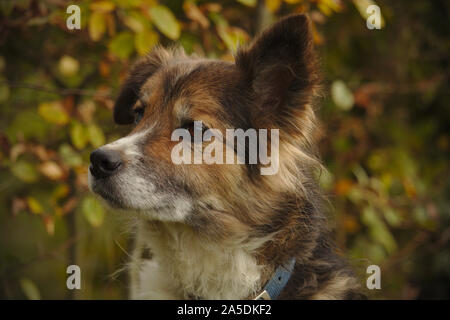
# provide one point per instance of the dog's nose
(104, 162)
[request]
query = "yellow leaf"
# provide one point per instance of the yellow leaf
(327, 7)
(273, 5)
(97, 25)
(30, 289)
(144, 41)
(61, 191)
(165, 21)
(68, 66)
(103, 6)
(34, 206)
(79, 135)
(96, 136)
(248, 3)
(53, 112)
(122, 45)
(232, 36)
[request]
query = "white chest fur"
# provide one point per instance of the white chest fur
(185, 266)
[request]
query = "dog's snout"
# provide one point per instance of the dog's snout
(104, 162)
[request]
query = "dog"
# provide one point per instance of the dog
(224, 231)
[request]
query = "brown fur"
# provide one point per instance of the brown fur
(272, 84)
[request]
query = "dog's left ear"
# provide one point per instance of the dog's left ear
(129, 91)
(138, 75)
(280, 65)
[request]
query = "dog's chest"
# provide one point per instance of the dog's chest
(185, 266)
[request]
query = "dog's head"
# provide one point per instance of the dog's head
(270, 86)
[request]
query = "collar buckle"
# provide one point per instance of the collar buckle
(263, 296)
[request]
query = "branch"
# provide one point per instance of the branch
(61, 92)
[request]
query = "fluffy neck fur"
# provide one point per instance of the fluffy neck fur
(185, 266)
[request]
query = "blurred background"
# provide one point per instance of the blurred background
(385, 115)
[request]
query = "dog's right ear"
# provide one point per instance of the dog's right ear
(138, 75)
(280, 65)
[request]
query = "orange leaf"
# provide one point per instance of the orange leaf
(51, 170)
(195, 14)
(343, 187)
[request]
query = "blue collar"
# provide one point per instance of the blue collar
(278, 281)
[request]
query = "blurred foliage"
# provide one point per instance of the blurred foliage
(385, 124)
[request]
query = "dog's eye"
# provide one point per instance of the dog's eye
(138, 114)
(189, 125)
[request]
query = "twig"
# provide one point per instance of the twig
(62, 92)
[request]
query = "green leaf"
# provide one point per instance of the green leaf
(30, 289)
(248, 3)
(27, 124)
(378, 230)
(25, 171)
(79, 135)
(361, 175)
(122, 45)
(145, 40)
(53, 112)
(96, 136)
(70, 156)
(165, 21)
(93, 211)
(392, 217)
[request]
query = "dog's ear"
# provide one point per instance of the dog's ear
(280, 65)
(138, 75)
